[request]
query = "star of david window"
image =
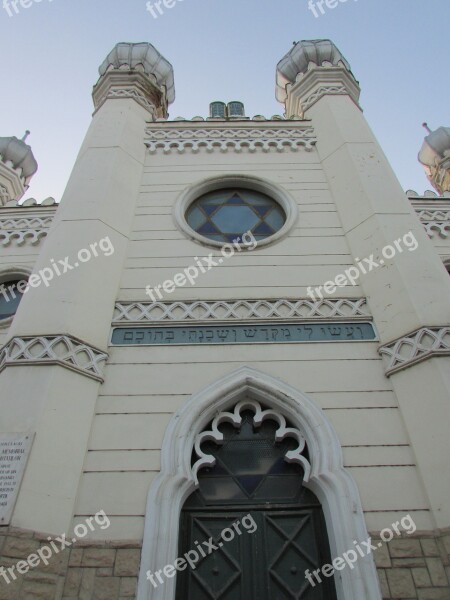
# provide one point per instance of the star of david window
(226, 215)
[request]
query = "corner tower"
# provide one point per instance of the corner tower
(17, 167)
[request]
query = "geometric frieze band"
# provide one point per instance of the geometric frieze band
(415, 347)
(24, 229)
(226, 139)
(64, 350)
(435, 220)
(240, 310)
(335, 90)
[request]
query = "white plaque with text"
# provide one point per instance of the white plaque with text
(14, 451)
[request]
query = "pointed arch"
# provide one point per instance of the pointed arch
(332, 484)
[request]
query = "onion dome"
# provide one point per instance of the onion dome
(435, 158)
(297, 60)
(19, 155)
(436, 144)
(143, 57)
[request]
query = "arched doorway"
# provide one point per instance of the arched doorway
(259, 528)
(325, 476)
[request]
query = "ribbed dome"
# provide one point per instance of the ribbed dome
(298, 58)
(20, 154)
(146, 55)
(435, 146)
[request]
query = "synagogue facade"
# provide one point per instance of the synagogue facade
(224, 355)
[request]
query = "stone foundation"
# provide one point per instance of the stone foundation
(413, 567)
(100, 571)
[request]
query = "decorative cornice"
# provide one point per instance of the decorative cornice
(240, 310)
(226, 139)
(64, 350)
(260, 415)
(415, 347)
(129, 93)
(435, 221)
(24, 229)
(323, 90)
(137, 85)
(433, 212)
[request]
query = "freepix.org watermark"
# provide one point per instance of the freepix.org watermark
(13, 7)
(352, 274)
(193, 557)
(156, 8)
(361, 550)
(57, 268)
(247, 241)
(316, 6)
(56, 545)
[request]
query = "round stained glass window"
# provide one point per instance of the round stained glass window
(226, 215)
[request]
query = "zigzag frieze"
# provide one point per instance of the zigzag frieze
(139, 312)
(24, 230)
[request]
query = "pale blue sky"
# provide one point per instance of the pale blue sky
(221, 50)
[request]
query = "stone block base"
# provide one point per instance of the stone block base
(415, 567)
(85, 571)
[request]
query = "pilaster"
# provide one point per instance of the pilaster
(407, 293)
(52, 365)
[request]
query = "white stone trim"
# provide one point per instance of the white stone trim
(324, 90)
(236, 310)
(435, 220)
(22, 229)
(258, 184)
(259, 416)
(328, 479)
(415, 347)
(128, 93)
(63, 350)
(226, 139)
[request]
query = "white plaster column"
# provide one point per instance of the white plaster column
(67, 324)
(408, 292)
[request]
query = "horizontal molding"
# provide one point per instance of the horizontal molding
(240, 310)
(415, 347)
(24, 230)
(63, 350)
(236, 139)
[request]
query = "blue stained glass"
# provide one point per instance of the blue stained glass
(235, 200)
(226, 214)
(208, 228)
(235, 219)
(264, 229)
(261, 210)
(275, 220)
(196, 218)
(209, 209)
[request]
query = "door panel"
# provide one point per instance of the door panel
(268, 564)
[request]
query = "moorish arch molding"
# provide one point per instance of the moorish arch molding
(332, 484)
(259, 416)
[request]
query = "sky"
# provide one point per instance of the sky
(220, 50)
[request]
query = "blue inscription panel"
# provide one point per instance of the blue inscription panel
(280, 333)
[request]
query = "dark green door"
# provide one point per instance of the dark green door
(259, 528)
